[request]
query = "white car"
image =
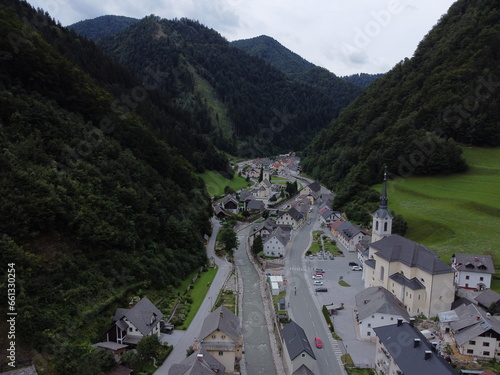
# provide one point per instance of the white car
(317, 276)
(317, 282)
(357, 268)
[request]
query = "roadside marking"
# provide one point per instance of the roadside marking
(296, 269)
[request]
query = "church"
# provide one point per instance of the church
(412, 272)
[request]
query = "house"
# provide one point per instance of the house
(402, 349)
(253, 204)
(312, 188)
(199, 362)
(229, 203)
(476, 332)
(291, 217)
(303, 370)
(489, 299)
(377, 307)
(221, 337)
(327, 215)
(349, 235)
(263, 189)
(334, 227)
(131, 325)
(266, 228)
(297, 350)
(412, 272)
(275, 244)
(219, 212)
(112, 347)
(473, 271)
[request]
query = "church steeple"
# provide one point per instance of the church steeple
(382, 218)
(383, 196)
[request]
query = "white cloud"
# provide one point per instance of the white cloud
(345, 37)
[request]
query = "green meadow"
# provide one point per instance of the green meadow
(455, 213)
(216, 183)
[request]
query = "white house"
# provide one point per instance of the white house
(473, 271)
(275, 244)
(377, 307)
(291, 217)
(131, 325)
(349, 235)
(297, 350)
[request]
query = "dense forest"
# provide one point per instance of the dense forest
(95, 205)
(362, 79)
(103, 26)
(413, 119)
(249, 107)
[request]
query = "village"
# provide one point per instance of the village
(403, 308)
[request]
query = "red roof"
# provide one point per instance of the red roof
(335, 224)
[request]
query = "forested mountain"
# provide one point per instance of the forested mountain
(361, 79)
(100, 27)
(94, 205)
(255, 108)
(411, 119)
(274, 53)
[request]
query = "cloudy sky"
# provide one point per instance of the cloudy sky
(344, 36)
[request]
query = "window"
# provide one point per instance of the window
(369, 325)
(221, 353)
(214, 337)
(385, 227)
(376, 225)
(223, 336)
(382, 273)
(472, 342)
(481, 278)
(419, 297)
(470, 351)
(368, 333)
(382, 317)
(466, 277)
(303, 355)
(486, 344)
(486, 353)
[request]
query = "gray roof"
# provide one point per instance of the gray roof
(303, 370)
(395, 248)
(379, 300)
(296, 340)
(282, 236)
(401, 279)
(399, 342)
(144, 316)
(229, 198)
(487, 298)
(195, 365)
(474, 263)
(314, 186)
(327, 213)
(349, 230)
(472, 322)
(294, 214)
(109, 345)
(370, 263)
(223, 320)
(254, 204)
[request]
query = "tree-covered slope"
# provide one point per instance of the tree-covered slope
(274, 53)
(264, 112)
(362, 79)
(103, 26)
(410, 119)
(94, 205)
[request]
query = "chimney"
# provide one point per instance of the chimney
(412, 322)
(427, 355)
(416, 342)
(400, 321)
(434, 346)
(199, 357)
(221, 314)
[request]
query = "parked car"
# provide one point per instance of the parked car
(317, 282)
(308, 222)
(353, 264)
(320, 270)
(317, 276)
(332, 257)
(311, 257)
(357, 268)
(318, 342)
(321, 290)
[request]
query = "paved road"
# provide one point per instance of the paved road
(184, 339)
(305, 308)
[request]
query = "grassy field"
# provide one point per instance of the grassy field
(457, 213)
(216, 182)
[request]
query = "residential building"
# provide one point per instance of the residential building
(489, 300)
(199, 362)
(473, 271)
(377, 307)
(229, 203)
(221, 337)
(275, 244)
(291, 217)
(131, 325)
(412, 272)
(297, 350)
(349, 235)
(402, 349)
(476, 332)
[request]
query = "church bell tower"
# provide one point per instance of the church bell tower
(382, 218)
